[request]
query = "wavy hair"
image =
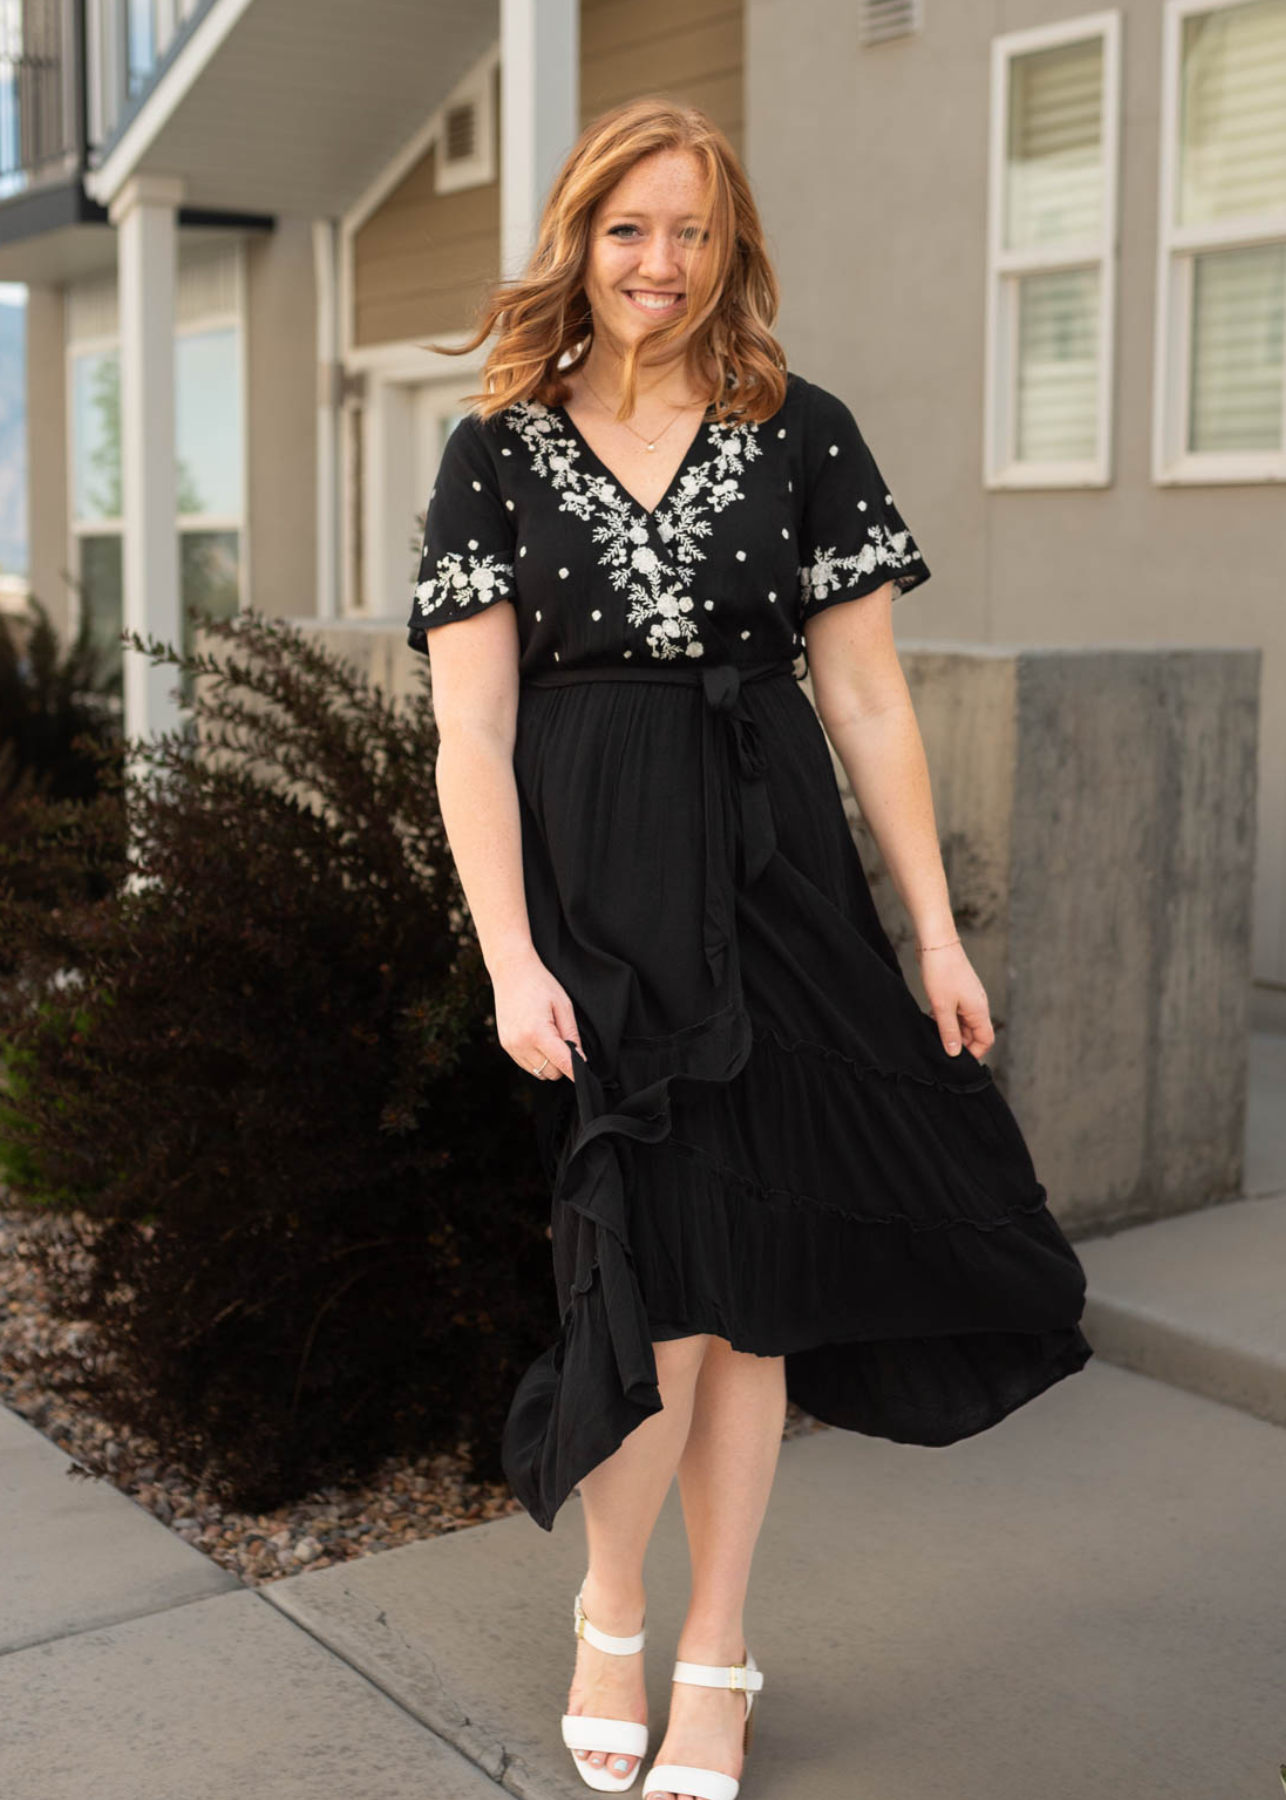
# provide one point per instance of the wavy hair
(733, 293)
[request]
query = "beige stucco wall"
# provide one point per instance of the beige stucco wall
(870, 166)
(47, 497)
(281, 420)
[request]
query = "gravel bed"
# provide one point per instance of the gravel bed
(405, 1499)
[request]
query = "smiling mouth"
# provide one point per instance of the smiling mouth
(651, 301)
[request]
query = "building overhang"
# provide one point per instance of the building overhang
(292, 106)
(56, 233)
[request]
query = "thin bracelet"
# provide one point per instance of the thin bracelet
(945, 946)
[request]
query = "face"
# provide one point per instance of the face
(645, 238)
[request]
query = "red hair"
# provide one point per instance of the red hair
(732, 292)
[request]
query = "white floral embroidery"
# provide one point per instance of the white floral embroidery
(488, 579)
(656, 586)
(886, 549)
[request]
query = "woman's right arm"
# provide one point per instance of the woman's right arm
(474, 673)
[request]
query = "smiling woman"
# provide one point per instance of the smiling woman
(774, 1174)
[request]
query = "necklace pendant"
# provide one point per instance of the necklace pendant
(651, 446)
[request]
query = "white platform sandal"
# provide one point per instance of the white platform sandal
(620, 1737)
(687, 1778)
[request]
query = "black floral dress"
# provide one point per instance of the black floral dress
(770, 1141)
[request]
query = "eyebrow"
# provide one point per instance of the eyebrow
(639, 215)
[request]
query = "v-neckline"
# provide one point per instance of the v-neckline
(651, 512)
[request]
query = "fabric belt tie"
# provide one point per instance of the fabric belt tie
(731, 750)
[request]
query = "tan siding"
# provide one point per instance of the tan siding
(422, 261)
(691, 52)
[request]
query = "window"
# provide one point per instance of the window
(209, 438)
(1051, 262)
(1220, 390)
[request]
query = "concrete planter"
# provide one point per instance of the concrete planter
(1096, 810)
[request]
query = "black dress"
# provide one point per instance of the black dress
(770, 1141)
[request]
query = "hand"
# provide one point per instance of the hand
(957, 998)
(533, 1016)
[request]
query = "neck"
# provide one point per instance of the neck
(666, 384)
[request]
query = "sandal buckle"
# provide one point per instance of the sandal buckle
(736, 1670)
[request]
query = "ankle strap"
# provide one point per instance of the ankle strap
(604, 1640)
(744, 1677)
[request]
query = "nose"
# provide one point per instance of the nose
(660, 262)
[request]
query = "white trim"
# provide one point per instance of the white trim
(1177, 246)
(348, 597)
(1001, 469)
(162, 102)
(245, 587)
(409, 361)
(540, 49)
(387, 458)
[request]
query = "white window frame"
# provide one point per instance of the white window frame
(1001, 469)
(1177, 249)
(393, 375)
(183, 522)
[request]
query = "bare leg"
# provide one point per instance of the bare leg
(621, 1499)
(725, 1477)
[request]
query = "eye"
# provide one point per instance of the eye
(690, 234)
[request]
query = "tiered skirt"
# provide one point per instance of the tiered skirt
(767, 1140)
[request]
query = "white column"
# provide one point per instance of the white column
(539, 113)
(145, 215)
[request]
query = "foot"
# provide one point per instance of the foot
(706, 1725)
(607, 1686)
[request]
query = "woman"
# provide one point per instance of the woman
(773, 1172)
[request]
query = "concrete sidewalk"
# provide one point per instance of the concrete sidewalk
(133, 1668)
(1083, 1602)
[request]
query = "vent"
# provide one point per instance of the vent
(460, 132)
(881, 20)
(465, 130)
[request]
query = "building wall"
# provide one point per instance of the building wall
(690, 50)
(423, 260)
(870, 167)
(281, 420)
(47, 453)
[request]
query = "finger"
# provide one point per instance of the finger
(949, 1029)
(565, 1024)
(560, 1061)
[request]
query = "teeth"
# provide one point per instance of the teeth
(657, 305)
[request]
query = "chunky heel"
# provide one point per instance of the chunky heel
(688, 1778)
(619, 1737)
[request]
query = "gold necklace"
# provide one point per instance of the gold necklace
(638, 434)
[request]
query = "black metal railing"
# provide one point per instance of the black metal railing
(42, 106)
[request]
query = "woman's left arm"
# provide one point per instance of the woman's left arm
(865, 707)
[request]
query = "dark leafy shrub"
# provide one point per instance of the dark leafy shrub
(56, 710)
(261, 1074)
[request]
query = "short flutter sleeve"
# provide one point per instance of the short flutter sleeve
(467, 560)
(852, 537)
